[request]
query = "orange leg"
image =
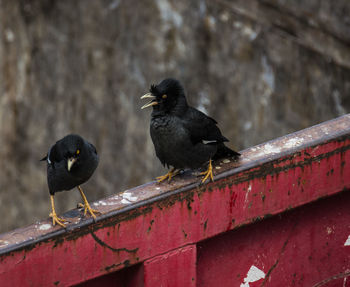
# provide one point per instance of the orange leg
(53, 215)
(208, 172)
(168, 176)
(86, 204)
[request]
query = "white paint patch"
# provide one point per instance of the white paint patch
(293, 142)
(157, 188)
(254, 274)
(128, 196)
(266, 149)
(4, 243)
(347, 242)
(45, 227)
(269, 148)
(104, 203)
(226, 160)
(125, 201)
(247, 193)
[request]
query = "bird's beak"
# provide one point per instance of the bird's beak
(151, 103)
(70, 162)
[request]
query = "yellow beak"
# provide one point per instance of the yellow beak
(70, 162)
(151, 103)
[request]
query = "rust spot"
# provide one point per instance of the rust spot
(56, 283)
(205, 225)
(58, 241)
(185, 234)
(150, 227)
(263, 197)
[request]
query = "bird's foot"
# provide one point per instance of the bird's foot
(56, 219)
(168, 176)
(87, 208)
(208, 173)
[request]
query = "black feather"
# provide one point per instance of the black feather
(58, 176)
(179, 132)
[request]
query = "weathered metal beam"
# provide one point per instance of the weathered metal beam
(153, 219)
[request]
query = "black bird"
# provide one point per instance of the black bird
(183, 137)
(71, 161)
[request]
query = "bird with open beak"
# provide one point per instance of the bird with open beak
(183, 136)
(71, 161)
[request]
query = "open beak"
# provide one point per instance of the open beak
(153, 102)
(70, 162)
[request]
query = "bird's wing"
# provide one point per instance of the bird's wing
(202, 128)
(54, 156)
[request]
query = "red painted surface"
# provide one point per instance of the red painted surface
(172, 269)
(297, 248)
(161, 230)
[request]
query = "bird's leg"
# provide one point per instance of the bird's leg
(55, 218)
(86, 204)
(168, 176)
(208, 172)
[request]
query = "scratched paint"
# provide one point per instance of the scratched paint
(254, 274)
(247, 193)
(347, 242)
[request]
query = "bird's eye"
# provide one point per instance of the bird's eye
(164, 96)
(78, 151)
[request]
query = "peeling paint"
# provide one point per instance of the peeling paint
(293, 142)
(267, 149)
(347, 242)
(3, 243)
(254, 274)
(128, 196)
(125, 201)
(247, 193)
(45, 226)
(104, 203)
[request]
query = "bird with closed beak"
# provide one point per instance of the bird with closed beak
(183, 136)
(71, 161)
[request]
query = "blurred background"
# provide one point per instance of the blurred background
(262, 69)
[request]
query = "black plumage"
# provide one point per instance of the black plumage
(183, 136)
(71, 161)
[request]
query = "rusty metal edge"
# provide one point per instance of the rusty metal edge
(312, 143)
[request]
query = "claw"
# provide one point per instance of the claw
(208, 172)
(58, 220)
(53, 215)
(168, 176)
(86, 204)
(86, 208)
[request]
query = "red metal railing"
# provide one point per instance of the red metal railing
(278, 217)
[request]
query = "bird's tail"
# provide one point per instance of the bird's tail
(223, 151)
